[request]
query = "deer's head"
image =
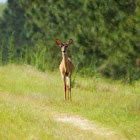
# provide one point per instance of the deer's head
(63, 45)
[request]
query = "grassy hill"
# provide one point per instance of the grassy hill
(29, 97)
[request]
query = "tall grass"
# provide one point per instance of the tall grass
(1, 53)
(11, 50)
(33, 56)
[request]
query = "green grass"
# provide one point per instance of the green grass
(24, 118)
(25, 92)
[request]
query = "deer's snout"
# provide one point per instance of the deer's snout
(63, 50)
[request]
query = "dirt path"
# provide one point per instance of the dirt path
(74, 120)
(83, 124)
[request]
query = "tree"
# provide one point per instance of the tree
(13, 20)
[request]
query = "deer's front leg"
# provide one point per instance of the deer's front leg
(70, 88)
(64, 78)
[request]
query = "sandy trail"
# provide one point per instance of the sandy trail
(83, 124)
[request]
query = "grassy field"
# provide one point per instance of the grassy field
(29, 97)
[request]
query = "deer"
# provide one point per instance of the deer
(66, 68)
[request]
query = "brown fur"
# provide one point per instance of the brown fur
(66, 67)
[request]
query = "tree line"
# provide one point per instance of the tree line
(106, 35)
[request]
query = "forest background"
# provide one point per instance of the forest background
(106, 35)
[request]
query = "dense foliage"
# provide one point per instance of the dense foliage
(2, 7)
(106, 34)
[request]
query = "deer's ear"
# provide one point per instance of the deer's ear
(70, 41)
(58, 41)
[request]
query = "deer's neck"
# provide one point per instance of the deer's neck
(65, 60)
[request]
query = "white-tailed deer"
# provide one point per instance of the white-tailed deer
(66, 67)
